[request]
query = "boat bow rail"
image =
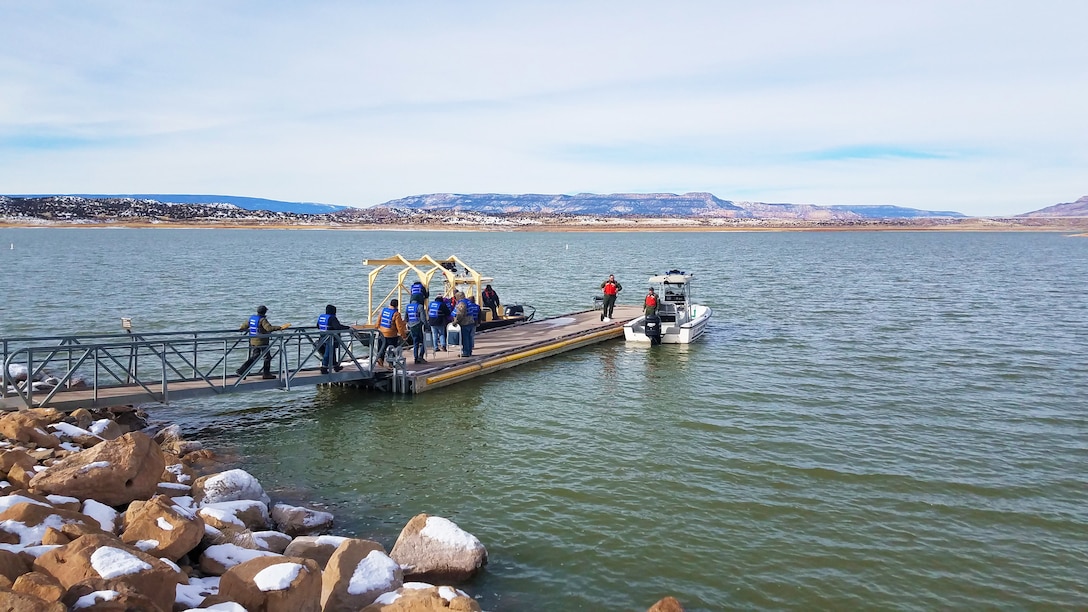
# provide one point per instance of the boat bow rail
(109, 369)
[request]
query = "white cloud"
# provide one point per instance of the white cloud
(969, 105)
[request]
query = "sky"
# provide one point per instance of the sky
(973, 106)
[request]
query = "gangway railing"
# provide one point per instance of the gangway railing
(38, 371)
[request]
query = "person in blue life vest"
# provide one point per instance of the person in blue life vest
(258, 328)
(415, 315)
(466, 315)
(419, 293)
(438, 315)
(392, 328)
(329, 323)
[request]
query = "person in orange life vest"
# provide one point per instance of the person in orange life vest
(651, 302)
(491, 302)
(611, 288)
(393, 329)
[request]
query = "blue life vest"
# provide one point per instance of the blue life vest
(323, 322)
(432, 311)
(386, 319)
(417, 289)
(255, 325)
(413, 311)
(474, 310)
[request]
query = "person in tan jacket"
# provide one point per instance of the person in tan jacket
(394, 331)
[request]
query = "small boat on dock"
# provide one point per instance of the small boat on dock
(678, 320)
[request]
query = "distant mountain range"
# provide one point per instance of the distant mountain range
(1069, 209)
(620, 205)
(699, 205)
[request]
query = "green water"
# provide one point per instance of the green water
(873, 420)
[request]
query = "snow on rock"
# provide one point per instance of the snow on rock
(221, 557)
(447, 532)
(377, 571)
(192, 594)
(231, 485)
(105, 515)
(92, 599)
(277, 577)
(112, 562)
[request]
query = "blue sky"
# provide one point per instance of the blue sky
(974, 106)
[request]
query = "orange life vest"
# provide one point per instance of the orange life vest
(610, 288)
(651, 300)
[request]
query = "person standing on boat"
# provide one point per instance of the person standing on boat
(491, 301)
(392, 328)
(610, 287)
(329, 323)
(419, 293)
(651, 302)
(438, 315)
(416, 314)
(259, 328)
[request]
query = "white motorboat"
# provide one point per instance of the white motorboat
(678, 320)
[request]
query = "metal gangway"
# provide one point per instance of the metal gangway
(101, 370)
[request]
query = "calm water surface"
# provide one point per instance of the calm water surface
(873, 420)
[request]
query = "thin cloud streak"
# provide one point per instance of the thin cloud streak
(972, 106)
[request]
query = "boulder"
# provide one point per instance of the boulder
(666, 604)
(274, 584)
(81, 417)
(42, 586)
(12, 565)
(435, 549)
(177, 471)
(114, 472)
(30, 521)
(102, 595)
(10, 601)
(358, 572)
(104, 556)
(217, 559)
(243, 514)
(318, 548)
(106, 429)
(27, 427)
(231, 485)
(300, 521)
(15, 456)
(162, 529)
(422, 597)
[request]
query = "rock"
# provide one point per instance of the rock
(103, 556)
(162, 529)
(667, 604)
(27, 428)
(20, 476)
(12, 565)
(10, 601)
(16, 456)
(107, 517)
(29, 522)
(231, 485)
(274, 584)
(42, 586)
(435, 549)
(106, 429)
(82, 417)
(101, 595)
(358, 572)
(217, 559)
(300, 521)
(243, 514)
(128, 418)
(422, 597)
(272, 541)
(318, 548)
(114, 472)
(177, 471)
(54, 537)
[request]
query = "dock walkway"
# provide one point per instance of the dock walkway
(108, 370)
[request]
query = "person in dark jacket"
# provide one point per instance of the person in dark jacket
(438, 315)
(258, 327)
(419, 293)
(329, 323)
(491, 301)
(415, 315)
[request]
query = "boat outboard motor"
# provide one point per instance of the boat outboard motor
(653, 329)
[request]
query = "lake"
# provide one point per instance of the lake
(877, 420)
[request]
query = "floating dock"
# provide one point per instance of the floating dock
(116, 370)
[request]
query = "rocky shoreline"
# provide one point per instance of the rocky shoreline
(100, 512)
